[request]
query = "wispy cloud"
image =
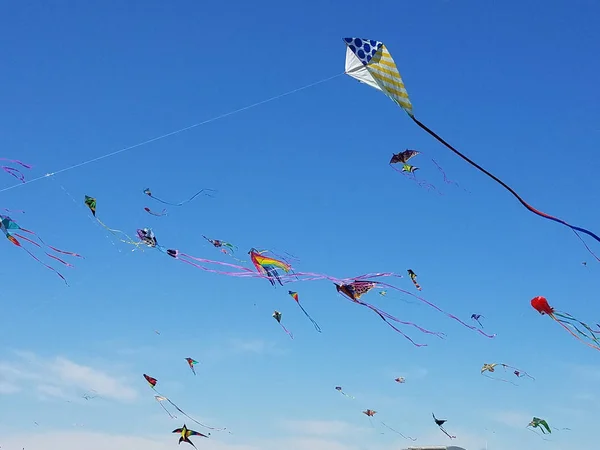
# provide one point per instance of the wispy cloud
(60, 377)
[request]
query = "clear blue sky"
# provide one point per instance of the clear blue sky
(511, 84)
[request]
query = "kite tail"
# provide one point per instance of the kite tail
(422, 183)
(395, 319)
(452, 316)
(397, 432)
(316, 325)
(192, 419)
(160, 214)
(500, 379)
(15, 173)
(57, 250)
(185, 201)
(569, 319)
(45, 265)
(346, 395)
(22, 164)
(376, 311)
(166, 410)
(116, 232)
(417, 285)
(573, 334)
(446, 433)
(446, 180)
(288, 333)
(504, 185)
(586, 246)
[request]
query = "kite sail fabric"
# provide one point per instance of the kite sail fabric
(370, 62)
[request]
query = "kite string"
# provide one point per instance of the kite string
(173, 133)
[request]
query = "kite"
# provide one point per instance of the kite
(151, 381)
(369, 412)
(191, 363)
(295, 296)
(404, 156)
(15, 172)
(90, 396)
(413, 278)
(268, 266)
(383, 293)
(148, 192)
(277, 316)
(353, 291)
(370, 62)
(12, 230)
(160, 214)
(491, 368)
(186, 433)
(440, 423)
(408, 168)
(565, 320)
(221, 244)
(90, 202)
(160, 398)
(536, 422)
(476, 318)
(339, 389)
(400, 380)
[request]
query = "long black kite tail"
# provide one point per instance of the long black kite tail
(503, 184)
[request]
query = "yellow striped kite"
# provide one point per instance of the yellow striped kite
(370, 62)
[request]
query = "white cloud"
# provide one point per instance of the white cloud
(60, 377)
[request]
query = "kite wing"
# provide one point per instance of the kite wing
(369, 62)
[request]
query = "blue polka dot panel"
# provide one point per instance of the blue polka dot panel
(369, 62)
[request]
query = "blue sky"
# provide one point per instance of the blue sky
(509, 83)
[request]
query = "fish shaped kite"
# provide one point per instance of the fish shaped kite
(413, 278)
(440, 423)
(277, 316)
(191, 363)
(15, 172)
(186, 433)
(295, 296)
(491, 368)
(91, 203)
(12, 230)
(567, 321)
(370, 62)
(339, 389)
(148, 192)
